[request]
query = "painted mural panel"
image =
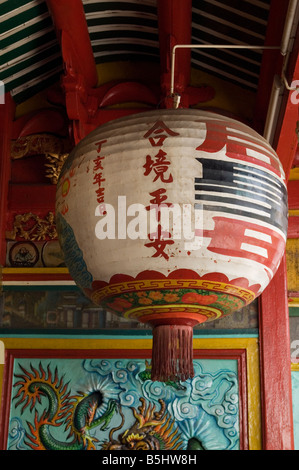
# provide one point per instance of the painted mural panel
(110, 404)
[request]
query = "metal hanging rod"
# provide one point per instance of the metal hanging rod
(208, 46)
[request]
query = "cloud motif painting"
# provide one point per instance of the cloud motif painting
(111, 404)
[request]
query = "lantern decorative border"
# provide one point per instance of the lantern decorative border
(151, 293)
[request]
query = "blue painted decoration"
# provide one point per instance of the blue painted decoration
(111, 404)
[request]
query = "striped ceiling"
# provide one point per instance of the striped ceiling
(128, 30)
(30, 54)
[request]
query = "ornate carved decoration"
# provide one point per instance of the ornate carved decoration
(54, 166)
(39, 144)
(56, 150)
(30, 226)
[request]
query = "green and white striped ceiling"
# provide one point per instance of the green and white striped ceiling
(128, 30)
(30, 54)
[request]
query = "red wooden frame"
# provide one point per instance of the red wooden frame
(293, 193)
(7, 111)
(293, 227)
(224, 354)
(275, 356)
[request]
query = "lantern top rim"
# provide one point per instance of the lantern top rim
(140, 117)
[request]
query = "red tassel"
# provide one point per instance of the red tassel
(172, 356)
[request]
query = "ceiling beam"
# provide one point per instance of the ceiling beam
(72, 32)
(272, 62)
(174, 22)
(175, 28)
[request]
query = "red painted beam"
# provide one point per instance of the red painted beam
(31, 198)
(81, 128)
(271, 62)
(286, 138)
(293, 227)
(7, 111)
(69, 20)
(174, 20)
(293, 194)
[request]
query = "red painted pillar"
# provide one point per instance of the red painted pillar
(275, 354)
(79, 64)
(276, 386)
(7, 112)
(274, 313)
(174, 19)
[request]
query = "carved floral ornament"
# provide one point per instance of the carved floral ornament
(56, 150)
(30, 226)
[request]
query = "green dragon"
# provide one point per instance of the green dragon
(81, 413)
(76, 412)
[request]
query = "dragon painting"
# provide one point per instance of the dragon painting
(152, 430)
(80, 413)
(77, 413)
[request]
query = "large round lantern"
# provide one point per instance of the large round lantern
(172, 218)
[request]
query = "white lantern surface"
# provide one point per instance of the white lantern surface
(172, 218)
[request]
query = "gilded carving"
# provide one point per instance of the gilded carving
(54, 166)
(56, 150)
(38, 144)
(30, 226)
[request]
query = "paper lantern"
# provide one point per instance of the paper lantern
(172, 218)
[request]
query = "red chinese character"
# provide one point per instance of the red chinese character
(98, 163)
(100, 195)
(99, 145)
(159, 243)
(98, 179)
(158, 133)
(159, 166)
(157, 196)
(231, 139)
(157, 202)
